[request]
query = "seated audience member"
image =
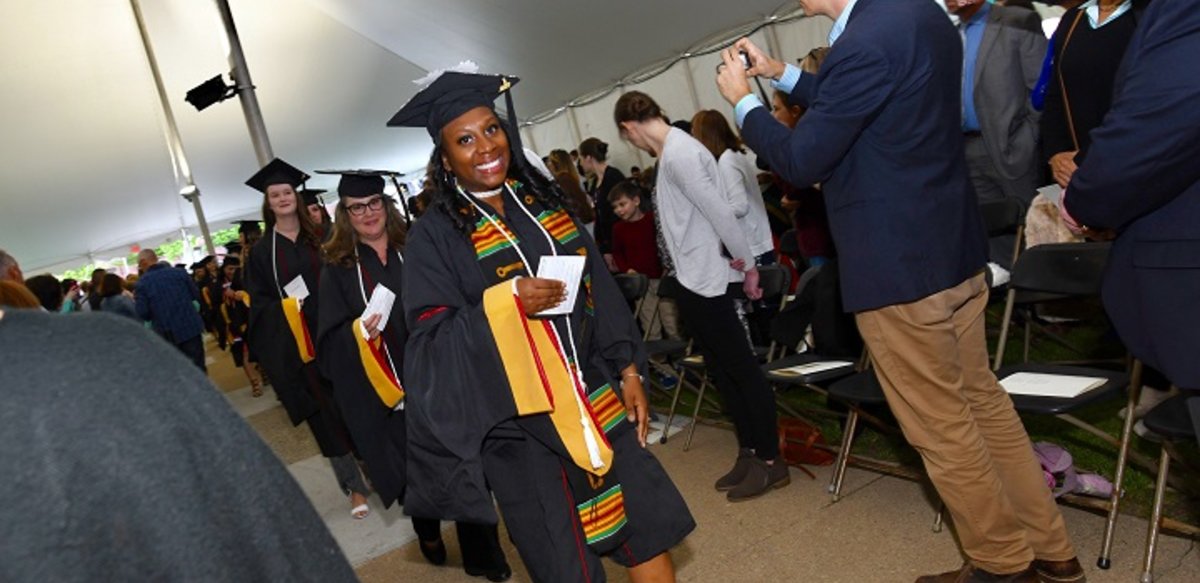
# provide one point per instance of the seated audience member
(568, 180)
(10, 270)
(635, 250)
(47, 290)
(115, 299)
(209, 501)
(16, 295)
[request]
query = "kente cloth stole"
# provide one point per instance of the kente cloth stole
(540, 377)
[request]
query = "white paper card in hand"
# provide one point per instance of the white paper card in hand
(296, 289)
(1059, 386)
(381, 302)
(567, 269)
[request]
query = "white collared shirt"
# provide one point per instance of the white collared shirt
(1092, 9)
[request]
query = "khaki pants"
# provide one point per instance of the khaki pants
(666, 325)
(931, 358)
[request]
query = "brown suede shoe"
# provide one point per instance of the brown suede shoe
(969, 574)
(1069, 571)
(760, 479)
(738, 473)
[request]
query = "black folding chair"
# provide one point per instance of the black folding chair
(1050, 273)
(1002, 217)
(1171, 420)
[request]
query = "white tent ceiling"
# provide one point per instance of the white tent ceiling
(84, 169)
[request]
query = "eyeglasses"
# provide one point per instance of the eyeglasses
(359, 209)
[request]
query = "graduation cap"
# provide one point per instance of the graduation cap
(276, 172)
(312, 196)
(359, 183)
(207, 259)
(233, 247)
(451, 94)
(231, 262)
(247, 227)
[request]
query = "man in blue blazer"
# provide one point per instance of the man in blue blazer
(1141, 180)
(883, 134)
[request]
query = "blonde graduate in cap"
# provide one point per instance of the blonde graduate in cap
(545, 413)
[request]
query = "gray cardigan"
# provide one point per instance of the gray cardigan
(695, 216)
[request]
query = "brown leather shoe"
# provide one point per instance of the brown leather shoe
(735, 476)
(1069, 571)
(760, 479)
(970, 574)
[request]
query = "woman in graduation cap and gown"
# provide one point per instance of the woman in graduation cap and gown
(282, 278)
(496, 403)
(317, 212)
(365, 358)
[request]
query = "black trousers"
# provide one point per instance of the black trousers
(193, 348)
(734, 369)
(480, 543)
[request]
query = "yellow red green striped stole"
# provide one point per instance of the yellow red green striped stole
(376, 366)
(603, 516)
(606, 407)
(489, 238)
(559, 224)
(299, 328)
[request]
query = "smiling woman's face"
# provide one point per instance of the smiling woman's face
(475, 148)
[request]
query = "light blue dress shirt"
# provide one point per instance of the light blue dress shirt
(1092, 9)
(972, 33)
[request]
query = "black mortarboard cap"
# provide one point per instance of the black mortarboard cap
(233, 247)
(312, 195)
(231, 262)
(207, 259)
(451, 95)
(359, 183)
(248, 226)
(276, 172)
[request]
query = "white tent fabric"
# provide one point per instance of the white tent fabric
(85, 171)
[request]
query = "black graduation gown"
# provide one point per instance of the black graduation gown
(378, 431)
(298, 385)
(457, 389)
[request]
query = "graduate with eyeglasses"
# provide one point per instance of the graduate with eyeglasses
(547, 413)
(363, 355)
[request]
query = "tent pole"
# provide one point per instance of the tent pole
(245, 88)
(686, 61)
(574, 126)
(183, 172)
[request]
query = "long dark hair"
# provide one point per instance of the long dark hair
(711, 128)
(443, 188)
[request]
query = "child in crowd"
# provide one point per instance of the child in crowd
(635, 250)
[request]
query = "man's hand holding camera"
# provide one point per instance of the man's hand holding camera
(741, 61)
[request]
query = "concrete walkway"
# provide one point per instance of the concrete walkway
(879, 531)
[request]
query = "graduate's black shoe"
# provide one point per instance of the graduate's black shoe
(497, 574)
(434, 551)
(738, 473)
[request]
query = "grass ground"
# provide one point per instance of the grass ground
(1091, 338)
